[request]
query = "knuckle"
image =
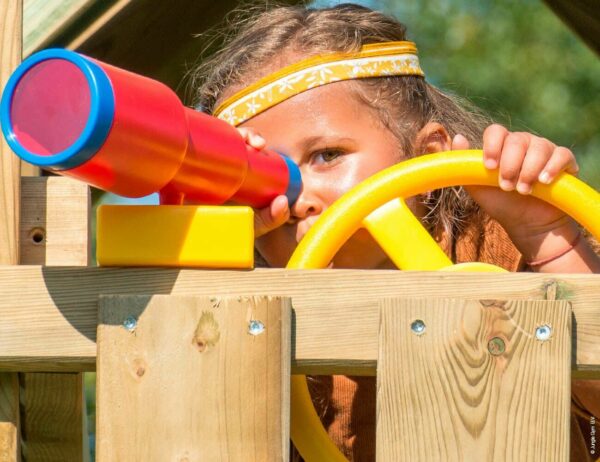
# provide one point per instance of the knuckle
(510, 173)
(496, 128)
(517, 139)
(564, 153)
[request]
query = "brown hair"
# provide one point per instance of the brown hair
(404, 103)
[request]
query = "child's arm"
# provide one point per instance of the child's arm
(549, 240)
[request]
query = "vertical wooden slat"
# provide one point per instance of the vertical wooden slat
(448, 394)
(11, 31)
(11, 46)
(54, 230)
(52, 411)
(54, 227)
(183, 379)
(9, 418)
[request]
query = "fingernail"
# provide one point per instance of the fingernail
(490, 163)
(506, 185)
(523, 188)
(544, 177)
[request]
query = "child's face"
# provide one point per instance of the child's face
(337, 142)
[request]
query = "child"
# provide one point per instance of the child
(343, 112)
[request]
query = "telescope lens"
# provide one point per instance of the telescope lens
(50, 107)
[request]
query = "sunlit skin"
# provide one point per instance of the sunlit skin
(337, 141)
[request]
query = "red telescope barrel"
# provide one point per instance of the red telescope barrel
(130, 135)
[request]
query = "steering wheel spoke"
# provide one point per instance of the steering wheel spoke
(393, 226)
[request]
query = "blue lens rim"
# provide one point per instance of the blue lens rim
(97, 127)
(295, 182)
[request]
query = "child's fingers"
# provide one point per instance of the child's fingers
(459, 142)
(538, 153)
(562, 159)
(512, 156)
(271, 217)
(252, 137)
(493, 142)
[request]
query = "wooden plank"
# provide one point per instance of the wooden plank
(447, 395)
(9, 418)
(29, 169)
(54, 226)
(89, 32)
(44, 20)
(11, 45)
(52, 413)
(54, 229)
(48, 314)
(187, 369)
(11, 14)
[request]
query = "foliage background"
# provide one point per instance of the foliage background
(516, 60)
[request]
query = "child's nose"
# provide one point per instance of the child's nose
(306, 205)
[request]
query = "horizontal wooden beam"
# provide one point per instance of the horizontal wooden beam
(48, 315)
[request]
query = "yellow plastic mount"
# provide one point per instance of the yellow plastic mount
(175, 235)
(407, 243)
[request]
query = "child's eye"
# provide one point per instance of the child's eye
(327, 155)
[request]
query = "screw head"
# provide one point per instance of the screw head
(130, 323)
(496, 346)
(255, 327)
(418, 327)
(543, 333)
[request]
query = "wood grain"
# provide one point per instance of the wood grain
(55, 225)
(52, 426)
(190, 372)
(11, 30)
(10, 450)
(48, 315)
(54, 230)
(44, 20)
(442, 395)
(11, 46)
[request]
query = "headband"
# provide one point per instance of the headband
(373, 60)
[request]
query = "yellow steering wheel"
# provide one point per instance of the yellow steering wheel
(377, 205)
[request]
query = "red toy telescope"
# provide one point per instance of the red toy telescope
(130, 135)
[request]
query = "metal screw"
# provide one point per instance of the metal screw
(496, 346)
(543, 333)
(130, 323)
(418, 327)
(255, 327)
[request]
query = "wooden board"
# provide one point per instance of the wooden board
(186, 370)
(48, 315)
(10, 450)
(11, 21)
(454, 400)
(11, 45)
(55, 221)
(44, 20)
(54, 229)
(52, 426)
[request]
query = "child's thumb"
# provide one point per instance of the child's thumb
(271, 217)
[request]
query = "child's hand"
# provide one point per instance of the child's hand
(523, 159)
(278, 212)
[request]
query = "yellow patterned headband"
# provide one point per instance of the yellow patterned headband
(373, 60)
